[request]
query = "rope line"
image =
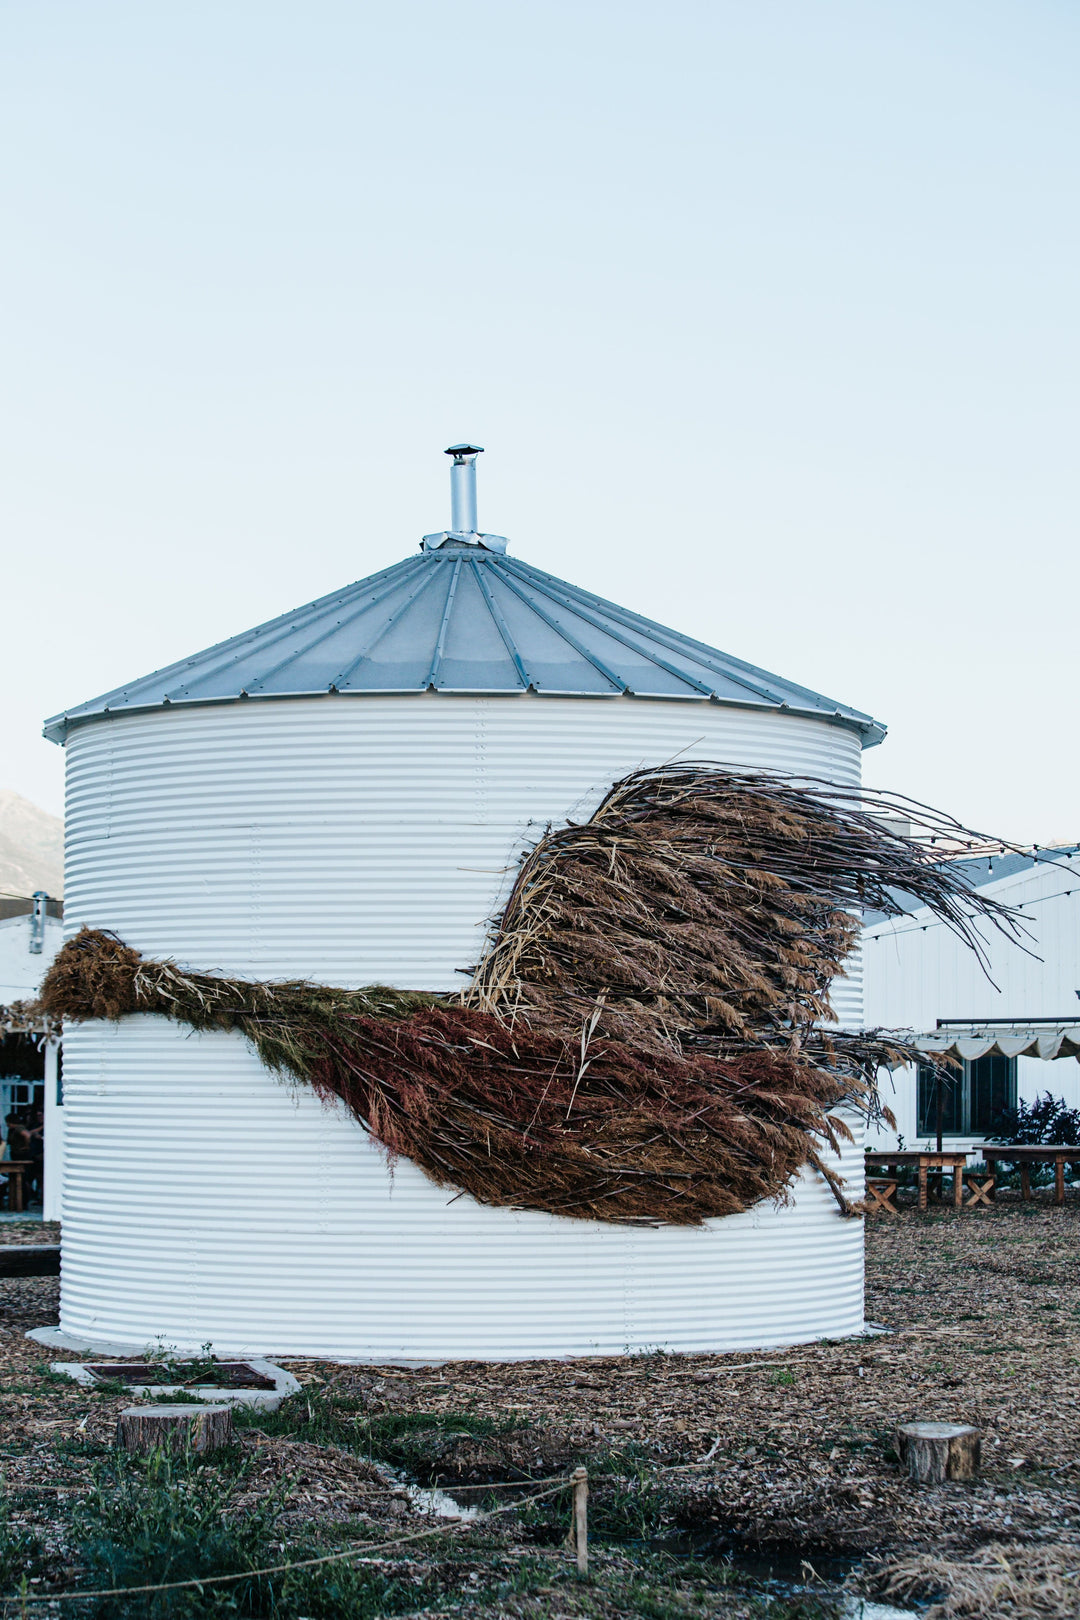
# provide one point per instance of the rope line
(362, 1489)
(361, 1549)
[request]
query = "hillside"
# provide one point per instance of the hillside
(31, 847)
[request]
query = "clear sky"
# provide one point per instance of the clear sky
(765, 310)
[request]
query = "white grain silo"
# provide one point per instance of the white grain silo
(337, 795)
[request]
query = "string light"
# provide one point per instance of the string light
(894, 933)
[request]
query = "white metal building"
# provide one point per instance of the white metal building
(1017, 1029)
(342, 794)
(30, 935)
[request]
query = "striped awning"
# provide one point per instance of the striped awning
(1046, 1041)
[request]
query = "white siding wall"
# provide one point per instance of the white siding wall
(21, 972)
(351, 841)
(917, 971)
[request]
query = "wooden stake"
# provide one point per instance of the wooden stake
(203, 1428)
(935, 1452)
(580, 1480)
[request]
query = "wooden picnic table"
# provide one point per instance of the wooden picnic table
(14, 1168)
(926, 1159)
(1058, 1154)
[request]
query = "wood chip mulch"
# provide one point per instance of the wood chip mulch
(983, 1318)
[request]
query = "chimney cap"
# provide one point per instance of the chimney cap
(460, 451)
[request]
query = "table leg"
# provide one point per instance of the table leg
(17, 1190)
(1025, 1180)
(957, 1186)
(1059, 1180)
(922, 1183)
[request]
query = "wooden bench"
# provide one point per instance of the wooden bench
(926, 1159)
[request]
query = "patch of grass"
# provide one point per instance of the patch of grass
(21, 1553)
(49, 1375)
(30, 1389)
(652, 1603)
(419, 1441)
(415, 1441)
(324, 1420)
(876, 1443)
(78, 1445)
(169, 1518)
(628, 1504)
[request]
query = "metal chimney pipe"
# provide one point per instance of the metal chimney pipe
(463, 487)
(37, 922)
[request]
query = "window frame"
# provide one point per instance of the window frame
(965, 1102)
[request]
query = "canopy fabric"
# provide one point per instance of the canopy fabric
(1003, 1040)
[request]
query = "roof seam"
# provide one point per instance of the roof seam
(712, 658)
(307, 646)
(597, 623)
(570, 640)
(440, 639)
(350, 669)
(500, 624)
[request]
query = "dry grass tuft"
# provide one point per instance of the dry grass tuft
(1010, 1579)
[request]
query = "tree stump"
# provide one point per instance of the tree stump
(203, 1428)
(935, 1452)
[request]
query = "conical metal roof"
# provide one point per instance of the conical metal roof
(463, 617)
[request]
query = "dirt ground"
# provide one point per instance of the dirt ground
(784, 1453)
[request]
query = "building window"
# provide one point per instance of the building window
(972, 1100)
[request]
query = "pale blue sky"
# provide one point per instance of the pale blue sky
(765, 312)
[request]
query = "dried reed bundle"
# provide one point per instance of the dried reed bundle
(701, 899)
(641, 1041)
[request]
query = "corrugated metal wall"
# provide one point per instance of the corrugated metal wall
(353, 841)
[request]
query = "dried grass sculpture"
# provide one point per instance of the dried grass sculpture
(642, 1039)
